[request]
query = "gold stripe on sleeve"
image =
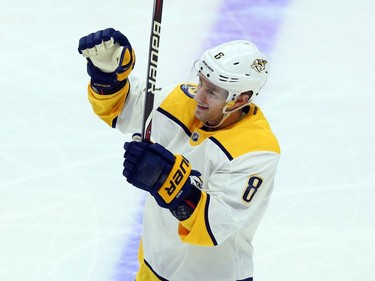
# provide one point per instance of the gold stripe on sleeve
(108, 107)
(195, 230)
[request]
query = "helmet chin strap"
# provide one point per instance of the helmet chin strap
(225, 117)
(226, 114)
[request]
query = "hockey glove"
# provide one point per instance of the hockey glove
(110, 59)
(151, 167)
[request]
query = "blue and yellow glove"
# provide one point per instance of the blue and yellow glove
(110, 59)
(151, 167)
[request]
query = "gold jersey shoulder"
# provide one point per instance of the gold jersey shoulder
(252, 133)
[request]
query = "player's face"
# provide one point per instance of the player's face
(210, 102)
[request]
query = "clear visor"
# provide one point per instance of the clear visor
(198, 81)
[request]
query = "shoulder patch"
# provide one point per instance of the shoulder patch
(189, 89)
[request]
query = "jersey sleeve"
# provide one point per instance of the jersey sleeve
(108, 107)
(123, 110)
(232, 200)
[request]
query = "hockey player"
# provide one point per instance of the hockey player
(210, 167)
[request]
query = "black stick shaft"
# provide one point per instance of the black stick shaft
(152, 67)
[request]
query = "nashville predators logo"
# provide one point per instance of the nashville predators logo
(189, 89)
(259, 65)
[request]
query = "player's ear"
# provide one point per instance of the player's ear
(244, 98)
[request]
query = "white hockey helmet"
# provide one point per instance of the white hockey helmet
(236, 66)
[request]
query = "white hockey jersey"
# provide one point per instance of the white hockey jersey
(238, 166)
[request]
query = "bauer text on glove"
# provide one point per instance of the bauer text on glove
(151, 167)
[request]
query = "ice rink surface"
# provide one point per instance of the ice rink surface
(66, 212)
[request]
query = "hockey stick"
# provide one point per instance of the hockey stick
(153, 56)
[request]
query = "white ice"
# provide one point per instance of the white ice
(66, 212)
